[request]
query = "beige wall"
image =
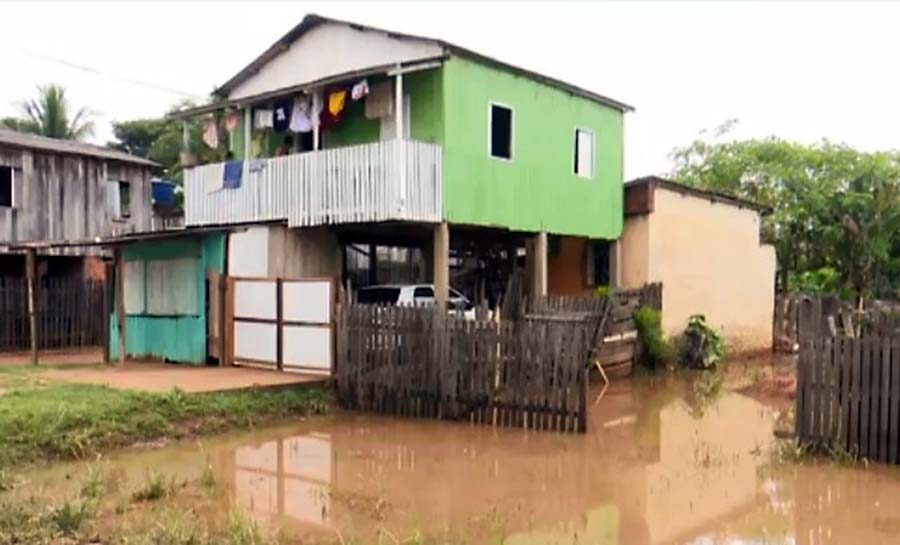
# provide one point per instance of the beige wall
(710, 261)
(303, 253)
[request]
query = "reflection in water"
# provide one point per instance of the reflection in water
(661, 464)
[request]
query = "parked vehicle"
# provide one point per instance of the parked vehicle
(413, 295)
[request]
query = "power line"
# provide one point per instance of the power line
(110, 75)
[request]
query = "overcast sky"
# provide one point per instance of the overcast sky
(802, 71)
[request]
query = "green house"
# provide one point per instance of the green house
(345, 136)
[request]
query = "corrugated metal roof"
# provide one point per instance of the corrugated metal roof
(312, 20)
(70, 147)
(715, 196)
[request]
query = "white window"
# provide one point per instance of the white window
(118, 198)
(500, 131)
(584, 153)
(7, 187)
(162, 287)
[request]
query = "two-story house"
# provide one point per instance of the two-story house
(59, 190)
(344, 135)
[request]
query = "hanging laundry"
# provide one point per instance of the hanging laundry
(233, 172)
(257, 144)
(301, 120)
(263, 118)
(317, 107)
(336, 102)
(214, 176)
(281, 116)
(380, 102)
(232, 120)
(359, 90)
(211, 133)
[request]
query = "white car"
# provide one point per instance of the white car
(413, 294)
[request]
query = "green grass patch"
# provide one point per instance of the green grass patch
(59, 421)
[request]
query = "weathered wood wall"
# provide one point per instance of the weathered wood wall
(63, 197)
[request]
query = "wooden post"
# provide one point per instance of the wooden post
(222, 288)
(536, 259)
(401, 150)
(279, 323)
(120, 303)
(107, 311)
(441, 266)
(31, 275)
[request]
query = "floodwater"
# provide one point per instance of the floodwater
(666, 461)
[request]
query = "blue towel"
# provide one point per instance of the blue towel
(234, 170)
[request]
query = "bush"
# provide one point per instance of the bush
(655, 350)
(702, 346)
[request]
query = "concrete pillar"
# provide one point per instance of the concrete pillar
(441, 263)
(119, 256)
(536, 259)
(31, 277)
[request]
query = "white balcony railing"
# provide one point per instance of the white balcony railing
(356, 184)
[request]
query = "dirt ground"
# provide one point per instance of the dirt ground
(54, 357)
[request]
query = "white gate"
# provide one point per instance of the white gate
(284, 324)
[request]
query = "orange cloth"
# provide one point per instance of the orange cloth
(336, 102)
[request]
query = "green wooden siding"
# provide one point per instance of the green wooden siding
(537, 190)
(175, 338)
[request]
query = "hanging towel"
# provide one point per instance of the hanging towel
(232, 120)
(317, 107)
(336, 102)
(380, 102)
(301, 120)
(282, 116)
(215, 176)
(359, 90)
(263, 118)
(233, 172)
(211, 133)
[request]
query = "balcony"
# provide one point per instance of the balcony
(392, 180)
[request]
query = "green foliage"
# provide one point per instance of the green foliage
(50, 114)
(64, 421)
(655, 350)
(702, 346)
(797, 452)
(69, 517)
(155, 487)
(603, 291)
(834, 208)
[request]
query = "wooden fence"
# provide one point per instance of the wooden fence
(71, 313)
(848, 393)
(529, 373)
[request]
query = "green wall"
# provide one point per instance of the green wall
(354, 127)
(176, 338)
(537, 190)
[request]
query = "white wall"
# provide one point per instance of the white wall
(248, 252)
(330, 50)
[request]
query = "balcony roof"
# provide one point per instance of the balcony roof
(312, 21)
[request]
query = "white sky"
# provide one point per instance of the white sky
(802, 71)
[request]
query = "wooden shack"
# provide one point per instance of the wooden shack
(59, 190)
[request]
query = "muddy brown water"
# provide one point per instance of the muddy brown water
(664, 462)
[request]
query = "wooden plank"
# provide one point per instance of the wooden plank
(855, 379)
(894, 421)
(865, 398)
(874, 396)
(846, 362)
(884, 403)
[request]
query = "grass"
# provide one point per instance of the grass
(59, 421)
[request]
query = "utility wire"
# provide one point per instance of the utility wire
(110, 75)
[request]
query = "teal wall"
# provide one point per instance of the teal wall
(176, 338)
(537, 190)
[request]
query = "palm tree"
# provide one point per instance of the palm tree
(48, 115)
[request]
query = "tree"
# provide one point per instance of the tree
(50, 114)
(836, 211)
(160, 140)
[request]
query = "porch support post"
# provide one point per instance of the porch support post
(120, 302)
(401, 149)
(248, 131)
(31, 277)
(441, 263)
(536, 258)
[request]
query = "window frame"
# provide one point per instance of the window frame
(512, 131)
(12, 187)
(593, 173)
(124, 208)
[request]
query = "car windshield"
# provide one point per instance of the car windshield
(378, 296)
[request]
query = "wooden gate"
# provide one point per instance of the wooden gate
(284, 324)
